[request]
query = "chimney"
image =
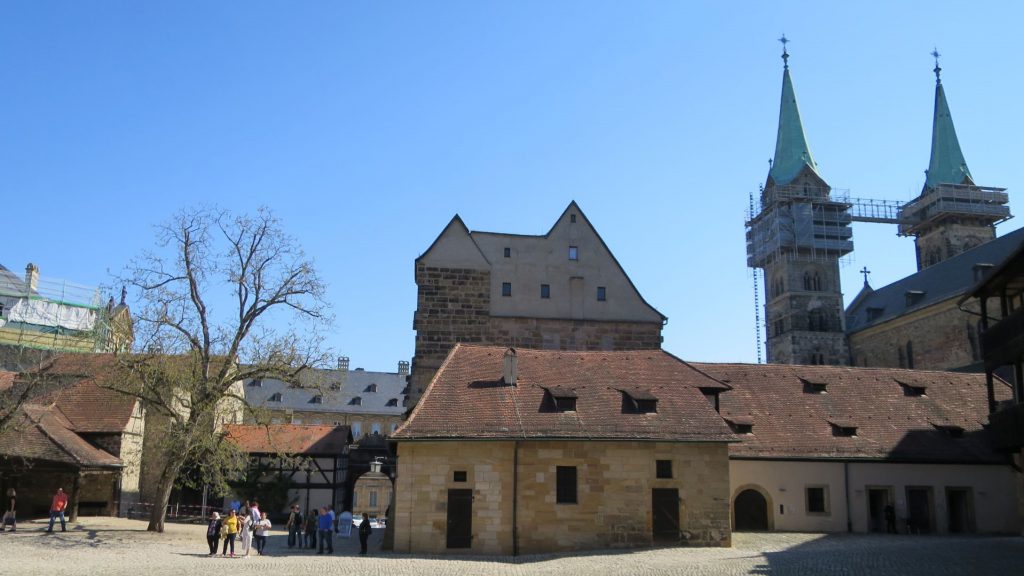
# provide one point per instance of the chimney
(375, 465)
(32, 277)
(403, 368)
(343, 363)
(511, 372)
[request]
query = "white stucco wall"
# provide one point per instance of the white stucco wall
(994, 491)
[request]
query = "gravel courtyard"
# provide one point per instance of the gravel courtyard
(112, 546)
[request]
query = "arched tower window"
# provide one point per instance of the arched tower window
(812, 281)
(910, 355)
(902, 359)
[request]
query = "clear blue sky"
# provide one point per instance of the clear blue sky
(367, 125)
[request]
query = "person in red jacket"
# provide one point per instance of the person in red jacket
(60, 502)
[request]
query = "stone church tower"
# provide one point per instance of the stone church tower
(797, 239)
(952, 214)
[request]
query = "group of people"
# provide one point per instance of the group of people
(248, 523)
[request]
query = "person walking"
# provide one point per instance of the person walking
(262, 531)
(326, 532)
(10, 516)
(312, 522)
(57, 506)
(364, 533)
(230, 531)
(213, 532)
(294, 527)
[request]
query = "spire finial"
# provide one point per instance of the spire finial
(865, 272)
(785, 54)
(938, 69)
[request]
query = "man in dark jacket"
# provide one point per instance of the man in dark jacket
(364, 533)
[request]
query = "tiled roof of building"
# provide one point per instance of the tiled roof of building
(897, 415)
(947, 279)
(43, 434)
(468, 399)
(87, 404)
(290, 439)
(378, 393)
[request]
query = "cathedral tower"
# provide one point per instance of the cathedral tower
(797, 238)
(952, 214)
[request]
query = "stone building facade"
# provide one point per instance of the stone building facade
(563, 290)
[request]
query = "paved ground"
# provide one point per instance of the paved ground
(112, 546)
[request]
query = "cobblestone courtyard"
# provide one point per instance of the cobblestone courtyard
(112, 546)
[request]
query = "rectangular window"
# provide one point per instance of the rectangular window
(373, 498)
(565, 484)
(574, 253)
(508, 252)
(459, 476)
(375, 427)
(545, 291)
(506, 288)
(601, 296)
(354, 494)
(357, 429)
(663, 469)
(817, 499)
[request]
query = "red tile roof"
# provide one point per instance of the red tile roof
(43, 434)
(468, 399)
(79, 392)
(290, 439)
(790, 420)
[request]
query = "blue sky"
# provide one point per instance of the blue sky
(367, 125)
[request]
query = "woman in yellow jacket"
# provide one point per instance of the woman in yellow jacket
(230, 531)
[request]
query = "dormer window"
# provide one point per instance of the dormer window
(318, 399)
(371, 388)
(843, 428)
(741, 424)
(811, 387)
(913, 390)
(563, 399)
(914, 296)
(275, 397)
(874, 313)
(392, 402)
(357, 401)
(639, 402)
(711, 394)
(256, 383)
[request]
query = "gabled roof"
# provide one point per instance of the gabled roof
(792, 153)
(12, 284)
(82, 399)
(946, 164)
(948, 279)
(468, 399)
(43, 434)
(290, 439)
(789, 422)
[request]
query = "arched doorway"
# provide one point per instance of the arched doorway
(750, 511)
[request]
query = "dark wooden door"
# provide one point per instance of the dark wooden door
(958, 505)
(878, 499)
(750, 511)
(460, 518)
(665, 514)
(919, 510)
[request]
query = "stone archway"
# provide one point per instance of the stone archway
(751, 510)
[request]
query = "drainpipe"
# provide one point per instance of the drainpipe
(846, 489)
(515, 497)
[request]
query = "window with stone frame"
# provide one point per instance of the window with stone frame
(545, 291)
(602, 294)
(506, 288)
(663, 469)
(574, 253)
(816, 499)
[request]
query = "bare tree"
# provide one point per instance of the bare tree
(224, 298)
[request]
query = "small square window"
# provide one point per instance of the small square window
(508, 252)
(574, 253)
(459, 476)
(565, 484)
(663, 469)
(817, 499)
(506, 288)
(545, 291)
(601, 294)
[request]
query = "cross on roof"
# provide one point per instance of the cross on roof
(938, 69)
(865, 272)
(785, 54)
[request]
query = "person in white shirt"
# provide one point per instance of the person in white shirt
(262, 531)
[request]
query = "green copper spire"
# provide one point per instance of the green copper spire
(947, 164)
(791, 150)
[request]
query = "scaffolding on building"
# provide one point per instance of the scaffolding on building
(52, 314)
(799, 223)
(953, 201)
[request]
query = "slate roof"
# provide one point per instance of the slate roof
(43, 434)
(467, 398)
(290, 439)
(12, 284)
(321, 382)
(791, 421)
(948, 279)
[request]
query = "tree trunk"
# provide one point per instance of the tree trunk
(163, 497)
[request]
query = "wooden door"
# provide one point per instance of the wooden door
(460, 518)
(665, 514)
